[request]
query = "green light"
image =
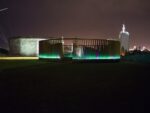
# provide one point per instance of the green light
(89, 57)
(49, 56)
(97, 58)
(84, 57)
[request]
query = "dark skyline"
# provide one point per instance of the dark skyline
(82, 18)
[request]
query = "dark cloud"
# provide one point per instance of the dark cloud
(84, 18)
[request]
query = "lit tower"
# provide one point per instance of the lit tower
(124, 40)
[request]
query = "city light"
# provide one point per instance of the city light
(134, 48)
(143, 48)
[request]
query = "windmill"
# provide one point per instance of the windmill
(3, 38)
(4, 9)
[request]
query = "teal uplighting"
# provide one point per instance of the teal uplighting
(88, 57)
(97, 58)
(49, 56)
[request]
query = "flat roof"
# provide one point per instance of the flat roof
(59, 38)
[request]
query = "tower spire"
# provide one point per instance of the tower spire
(123, 28)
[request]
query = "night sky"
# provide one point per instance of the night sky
(76, 18)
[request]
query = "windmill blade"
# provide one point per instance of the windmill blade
(3, 9)
(3, 37)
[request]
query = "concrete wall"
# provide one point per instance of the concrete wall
(50, 49)
(24, 46)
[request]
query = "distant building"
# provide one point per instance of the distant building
(124, 40)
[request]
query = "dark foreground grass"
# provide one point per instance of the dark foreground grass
(58, 87)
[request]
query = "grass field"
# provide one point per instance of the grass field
(58, 87)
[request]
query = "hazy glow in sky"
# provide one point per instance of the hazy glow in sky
(82, 18)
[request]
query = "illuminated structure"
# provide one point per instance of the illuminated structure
(22, 46)
(124, 40)
(79, 49)
(64, 48)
